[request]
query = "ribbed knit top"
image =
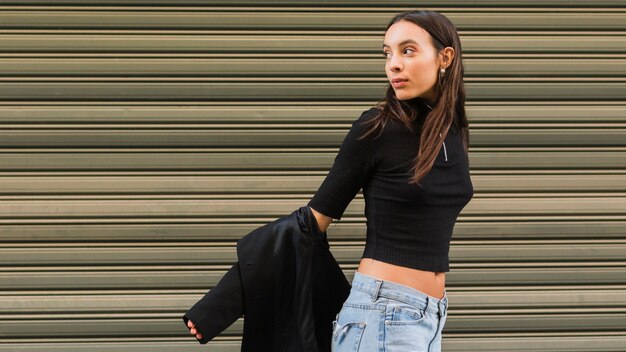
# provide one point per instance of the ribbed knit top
(407, 225)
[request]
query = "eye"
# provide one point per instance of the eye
(386, 52)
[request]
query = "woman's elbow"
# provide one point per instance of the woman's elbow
(323, 221)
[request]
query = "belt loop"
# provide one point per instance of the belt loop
(441, 309)
(429, 303)
(376, 290)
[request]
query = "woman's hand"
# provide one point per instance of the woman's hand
(193, 330)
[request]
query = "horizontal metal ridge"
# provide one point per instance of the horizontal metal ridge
(287, 42)
(269, 67)
(501, 112)
(331, 18)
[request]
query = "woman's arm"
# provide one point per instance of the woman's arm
(323, 221)
(352, 167)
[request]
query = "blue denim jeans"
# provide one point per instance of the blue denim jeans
(384, 316)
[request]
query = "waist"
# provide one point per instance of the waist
(428, 282)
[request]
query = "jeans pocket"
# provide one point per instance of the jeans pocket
(348, 329)
(404, 315)
(408, 329)
(348, 334)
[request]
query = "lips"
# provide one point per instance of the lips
(396, 80)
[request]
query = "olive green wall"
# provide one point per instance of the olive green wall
(140, 139)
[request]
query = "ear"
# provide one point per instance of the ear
(446, 55)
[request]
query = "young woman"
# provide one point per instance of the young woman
(409, 154)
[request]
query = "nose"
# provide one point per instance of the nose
(395, 64)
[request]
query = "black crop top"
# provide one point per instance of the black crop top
(407, 225)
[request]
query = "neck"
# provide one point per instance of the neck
(420, 104)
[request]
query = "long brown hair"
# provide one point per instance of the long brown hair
(449, 104)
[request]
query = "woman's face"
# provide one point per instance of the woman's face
(415, 61)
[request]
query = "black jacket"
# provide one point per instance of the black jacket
(289, 288)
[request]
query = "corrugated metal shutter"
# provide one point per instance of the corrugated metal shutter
(140, 139)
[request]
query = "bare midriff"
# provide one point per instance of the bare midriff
(428, 282)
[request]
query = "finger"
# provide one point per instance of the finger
(193, 331)
(199, 335)
(190, 324)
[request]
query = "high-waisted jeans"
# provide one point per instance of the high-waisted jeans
(384, 316)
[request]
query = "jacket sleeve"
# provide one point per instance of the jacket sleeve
(351, 168)
(219, 308)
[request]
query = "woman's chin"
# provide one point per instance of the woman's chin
(404, 96)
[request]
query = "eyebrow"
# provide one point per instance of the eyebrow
(403, 42)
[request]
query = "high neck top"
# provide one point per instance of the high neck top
(407, 224)
(420, 103)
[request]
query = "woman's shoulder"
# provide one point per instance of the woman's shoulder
(365, 120)
(369, 113)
